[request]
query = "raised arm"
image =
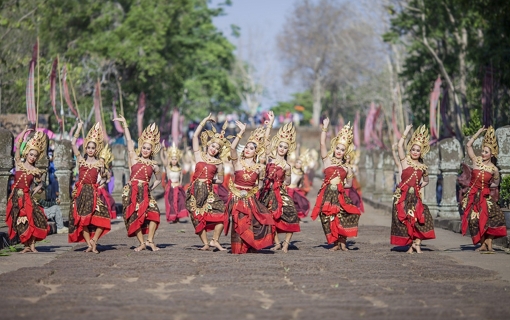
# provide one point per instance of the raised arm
(469, 144)
(324, 133)
(233, 146)
(194, 142)
(129, 141)
(401, 152)
(73, 141)
(269, 126)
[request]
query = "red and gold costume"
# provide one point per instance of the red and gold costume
(175, 197)
(104, 195)
(411, 218)
(251, 220)
(339, 217)
(87, 209)
(24, 216)
(205, 207)
(274, 196)
(139, 206)
(297, 194)
(482, 214)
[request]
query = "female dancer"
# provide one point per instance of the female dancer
(251, 221)
(175, 197)
(411, 219)
(207, 210)
(24, 216)
(339, 217)
(295, 187)
(89, 218)
(354, 192)
(273, 194)
(141, 212)
(482, 214)
(105, 196)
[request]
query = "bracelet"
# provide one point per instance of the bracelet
(240, 136)
(76, 136)
(324, 129)
(124, 125)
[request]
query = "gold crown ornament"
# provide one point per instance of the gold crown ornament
(490, 141)
(421, 137)
(344, 137)
(258, 138)
(107, 155)
(38, 143)
(212, 136)
(174, 152)
(95, 135)
(150, 135)
(286, 134)
(305, 158)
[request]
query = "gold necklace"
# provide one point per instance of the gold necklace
(248, 169)
(210, 160)
(416, 166)
(298, 172)
(335, 161)
(280, 163)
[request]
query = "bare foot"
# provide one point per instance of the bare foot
(35, 250)
(335, 248)
(285, 247)
(410, 251)
(416, 247)
(205, 247)
(140, 247)
(483, 247)
(94, 246)
(343, 246)
(216, 244)
(152, 245)
(89, 249)
(276, 247)
(26, 249)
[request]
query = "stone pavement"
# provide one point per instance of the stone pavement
(371, 281)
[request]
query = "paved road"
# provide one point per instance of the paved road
(179, 282)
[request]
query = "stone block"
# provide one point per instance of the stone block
(431, 159)
(64, 162)
(6, 164)
(450, 154)
(503, 136)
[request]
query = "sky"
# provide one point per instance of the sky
(259, 21)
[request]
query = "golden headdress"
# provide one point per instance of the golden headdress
(106, 155)
(490, 141)
(286, 134)
(212, 136)
(38, 142)
(257, 137)
(345, 137)
(173, 151)
(305, 158)
(95, 135)
(421, 137)
(150, 135)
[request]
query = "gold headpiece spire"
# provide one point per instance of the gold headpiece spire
(286, 134)
(173, 151)
(95, 135)
(106, 155)
(490, 141)
(257, 137)
(344, 136)
(420, 138)
(150, 135)
(212, 136)
(38, 143)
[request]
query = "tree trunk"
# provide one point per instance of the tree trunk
(317, 107)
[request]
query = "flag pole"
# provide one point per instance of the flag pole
(120, 98)
(38, 71)
(61, 97)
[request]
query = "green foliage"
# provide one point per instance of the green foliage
(168, 49)
(474, 124)
(304, 99)
(504, 192)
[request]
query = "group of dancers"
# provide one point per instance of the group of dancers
(260, 200)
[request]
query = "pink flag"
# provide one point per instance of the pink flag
(139, 114)
(175, 126)
(67, 97)
(30, 95)
(434, 98)
(377, 133)
(118, 127)
(97, 109)
(369, 126)
(53, 90)
(356, 130)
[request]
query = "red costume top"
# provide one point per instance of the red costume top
(141, 172)
(331, 173)
(410, 178)
(480, 181)
(204, 170)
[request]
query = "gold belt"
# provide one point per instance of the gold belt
(242, 193)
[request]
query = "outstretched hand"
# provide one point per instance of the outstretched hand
(119, 118)
(408, 128)
(325, 122)
(240, 125)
